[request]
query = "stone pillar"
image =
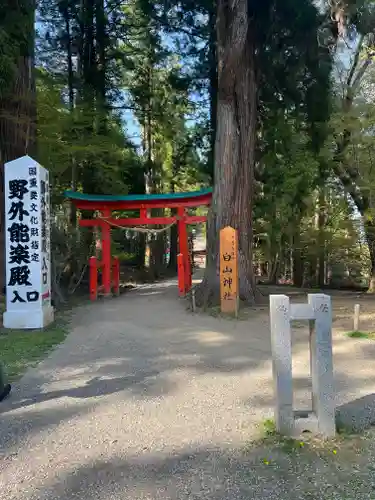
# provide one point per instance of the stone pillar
(321, 364)
(282, 362)
(27, 245)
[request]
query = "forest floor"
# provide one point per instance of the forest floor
(144, 400)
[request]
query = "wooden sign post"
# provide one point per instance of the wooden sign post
(229, 270)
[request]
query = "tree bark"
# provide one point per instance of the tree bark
(173, 239)
(348, 176)
(232, 200)
(212, 59)
(321, 238)
(274, 270)
(89, 56)
(371, 287)
(370, 237)
(157, 243)
(101, 48)
(17, 100)
(173, 248)
(69, 58)
(297, 261)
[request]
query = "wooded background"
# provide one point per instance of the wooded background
(271, 102)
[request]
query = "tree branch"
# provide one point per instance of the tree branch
(355, 62)
(360, 200)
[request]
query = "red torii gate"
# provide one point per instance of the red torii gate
(106, 204)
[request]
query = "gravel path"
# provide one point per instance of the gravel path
(146, 401)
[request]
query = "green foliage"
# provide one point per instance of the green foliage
(158, 93)
(158, 61)
(269, 427)
(361, 335)
(16, 40)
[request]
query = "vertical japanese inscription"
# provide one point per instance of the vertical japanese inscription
(20, 255)
(45, 234)
(228, 269)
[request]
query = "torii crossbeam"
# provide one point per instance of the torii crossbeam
(106, 204)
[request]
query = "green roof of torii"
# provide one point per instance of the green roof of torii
(74, 195)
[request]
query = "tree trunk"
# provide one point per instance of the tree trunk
(310, 277)
(17, 97)
(212, 59)
(274, 270)
(321, 238)
(173, 240)
(87, 70)
(234, 149)
(89, 57)
(101, 48)
(69, 59)
(157, 242)
(371, 287)
(173, 249)
(370, 237)
(157, 252)
(297, 261)
(140, 250)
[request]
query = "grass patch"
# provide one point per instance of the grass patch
(269, 427)
(311, 467)
(21, 349)
(271, 437)
(361, 335)
(309, 443)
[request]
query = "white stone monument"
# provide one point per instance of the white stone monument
(321, 420)
(27, 240)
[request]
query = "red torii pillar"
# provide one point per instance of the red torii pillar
(106, 252)
(183, 244)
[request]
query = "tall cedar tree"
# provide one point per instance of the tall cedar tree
(17, 92)
(244, 39)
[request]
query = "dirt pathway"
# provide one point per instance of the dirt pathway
(146, 401)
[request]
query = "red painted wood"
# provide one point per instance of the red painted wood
(143, 213)
(106, 254)
(181, 275)
(195, 219)
(91, 222)
(184, 245)
(93, 278)
(196, 201)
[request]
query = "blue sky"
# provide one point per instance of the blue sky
(131, 126)
(130, 123)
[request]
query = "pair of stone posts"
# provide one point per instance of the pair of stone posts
(321, 420)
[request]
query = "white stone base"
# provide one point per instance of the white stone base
(24, 320)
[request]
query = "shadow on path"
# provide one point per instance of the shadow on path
(357, 415)
(215, 475)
